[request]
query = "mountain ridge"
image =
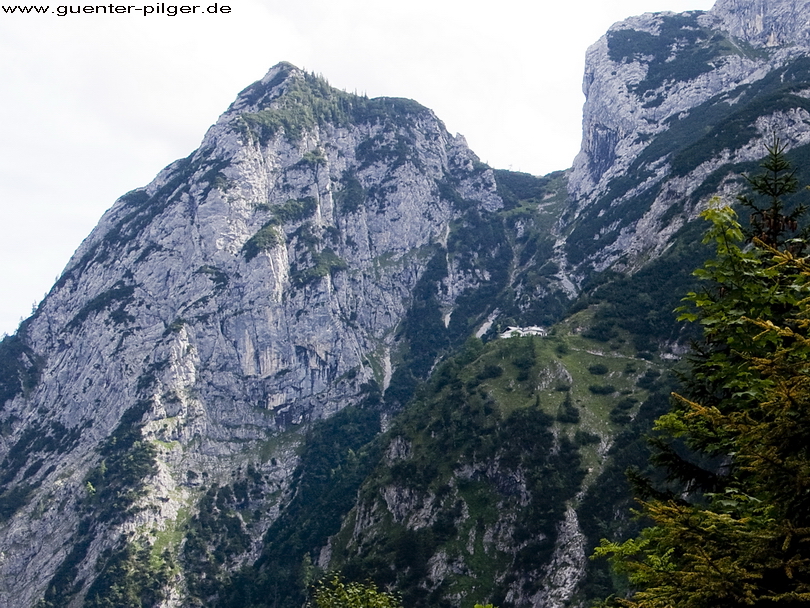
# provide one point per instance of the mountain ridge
(281, 355)
(634, 99)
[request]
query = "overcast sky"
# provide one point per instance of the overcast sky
(95, 105)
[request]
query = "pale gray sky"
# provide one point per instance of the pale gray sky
(95, 105)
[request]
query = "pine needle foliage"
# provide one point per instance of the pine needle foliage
(771, 223)
(733, 528)
(335, 593)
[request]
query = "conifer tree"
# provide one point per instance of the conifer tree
(733, 528)
(770, 223)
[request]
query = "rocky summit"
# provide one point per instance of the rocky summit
(332, 340)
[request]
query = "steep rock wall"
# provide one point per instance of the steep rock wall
(254, 286)
(657, 87)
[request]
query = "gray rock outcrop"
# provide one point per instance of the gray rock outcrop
(254, 286)
(643, 79)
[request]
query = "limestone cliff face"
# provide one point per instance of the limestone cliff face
(251, 287)
(337, 217)
(765, 24)
(655, 86)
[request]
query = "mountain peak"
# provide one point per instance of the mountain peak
(282, 67)
(270, 87)
(297, 100)
(279, 74)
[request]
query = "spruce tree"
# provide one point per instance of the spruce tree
(770, 222)
(733, 527)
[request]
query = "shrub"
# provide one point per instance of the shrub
(295, 210)
(490, 371)
(264, 240)
(326, 262)
(352, 197)
(568, 412)
(582, 438)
